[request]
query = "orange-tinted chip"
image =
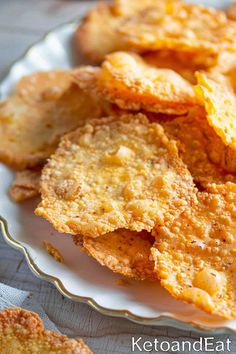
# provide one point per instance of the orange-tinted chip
(123, 251)
(22, 332)
(220, 104)
(117, 172)
(45, 106)
(191, 28)
(195, 138)
(195, 254)
(128, 81)
(97, 35)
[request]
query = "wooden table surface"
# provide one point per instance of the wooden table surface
(21, 23)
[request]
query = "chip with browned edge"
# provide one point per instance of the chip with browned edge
(195, 254)
(117, 172)
(123, 251)
(194, 135)
(191, 28)
(45, 106)
(128, 81)
(220, 104)
(22, 332)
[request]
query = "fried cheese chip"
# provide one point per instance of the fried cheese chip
(182, 63)
(117, 172)
(98, 35)
(195, 254)
(131, 7)
(48, 85)
(231, 12)
(22, 332)
(220, 105)
(128, 81)
(45, 106)
(122, 251)
(26, 184)
(194, 136)
(190, 28)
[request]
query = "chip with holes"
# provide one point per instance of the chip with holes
(22, 331)
(45, 106)
(117, 172)
(220, 105)
(26, 184)
(195, 254)
(191, 28)
(123, 251)
(128, 81)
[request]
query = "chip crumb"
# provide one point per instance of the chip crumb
(53, 252)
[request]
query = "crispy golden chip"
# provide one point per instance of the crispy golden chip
(97, 35)
(195, 255)
(123, 251)
(190, 28)
(113, 173)
(220, 105)
(22, 332)
(182, 63)
(220, 154)
(45, 85)
(26, 184)
(194, 136)
(131, 7)
(128, 81)
(44, 107)
(231, 12)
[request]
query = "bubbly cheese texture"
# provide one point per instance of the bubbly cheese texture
(131, 83)
(124, 252)
(22, 332)
(195, 138)
(191, 28)
(45, 106)
(195, 253)
(117, 172)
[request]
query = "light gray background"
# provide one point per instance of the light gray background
(23, 22)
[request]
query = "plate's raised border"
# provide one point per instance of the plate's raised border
(164, 320)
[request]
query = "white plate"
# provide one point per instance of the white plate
(81, 278)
